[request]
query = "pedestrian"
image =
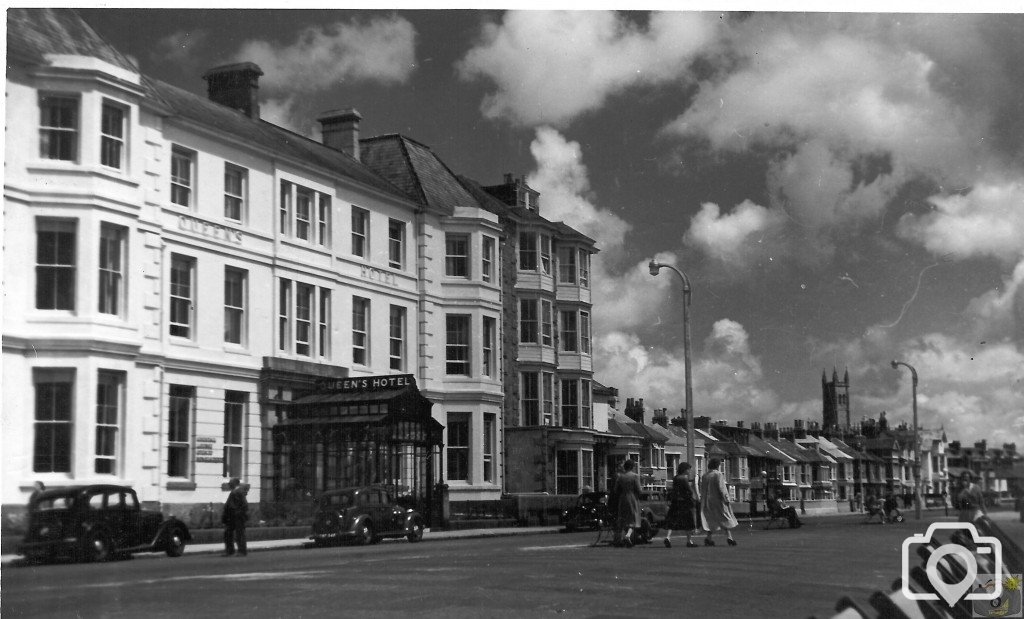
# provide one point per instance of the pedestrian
(786, 511)
(37, 488)
(627, 489)
(945, 502)
(716, 510)
(682, 512)
(860, 501)
(969, 500)
(236, 513)
(613, 505)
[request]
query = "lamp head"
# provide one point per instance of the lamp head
(895, 364)
(654, 266)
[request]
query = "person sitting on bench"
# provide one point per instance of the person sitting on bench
(778, 506)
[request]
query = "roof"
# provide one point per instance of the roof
(618, 427)
(417, 171)
(33, 33)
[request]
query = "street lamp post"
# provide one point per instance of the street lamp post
(917, 444)
(691, 458)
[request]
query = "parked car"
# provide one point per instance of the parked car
(96, 523)
(364, 515)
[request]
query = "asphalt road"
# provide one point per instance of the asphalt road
(773, 573)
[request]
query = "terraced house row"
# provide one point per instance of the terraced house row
(195, 294)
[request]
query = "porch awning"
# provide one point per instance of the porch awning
(358, 396)
(334, 419)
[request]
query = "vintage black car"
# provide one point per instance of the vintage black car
(96, 523)
(364, 515)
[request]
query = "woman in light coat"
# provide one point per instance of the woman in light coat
(716, 510)
(627, 489)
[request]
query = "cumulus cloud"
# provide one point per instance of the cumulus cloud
(181, 48)
(738, 238)
(987, 221)
(530, 54)
(999, 314)
(380, 49)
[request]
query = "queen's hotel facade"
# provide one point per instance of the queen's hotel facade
(193, 294)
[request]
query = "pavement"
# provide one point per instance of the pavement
(1008, 521)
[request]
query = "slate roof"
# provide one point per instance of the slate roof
(33, 33)
(617, 427)
(417, 171)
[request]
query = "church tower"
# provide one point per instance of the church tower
(835, 400)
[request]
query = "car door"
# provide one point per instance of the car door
(376, 509)
(395, 512)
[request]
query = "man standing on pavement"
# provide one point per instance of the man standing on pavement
(236, 513)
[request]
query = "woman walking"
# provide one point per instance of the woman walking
(682, 511)
(716, 511)
(627, 488)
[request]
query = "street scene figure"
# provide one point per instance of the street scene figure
(683, 510)
(236, 513)
(890, 509)
(627, 489)
(36, 489)
(786, 511)
(969, 500)
(716, 507)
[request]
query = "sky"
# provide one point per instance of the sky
(841, 189)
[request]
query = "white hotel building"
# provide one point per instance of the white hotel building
(177, 272)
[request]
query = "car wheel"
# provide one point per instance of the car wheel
(175, 543)
(97, 547)
(416, 532)
(365, 535)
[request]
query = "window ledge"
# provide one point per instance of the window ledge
(181, 485)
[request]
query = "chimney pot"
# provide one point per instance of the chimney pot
(235, 86)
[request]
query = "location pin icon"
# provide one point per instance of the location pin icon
(951, 593)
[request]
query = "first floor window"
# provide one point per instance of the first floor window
(547, 383)
(527, 251)
(585, 333)
(584, 269)
(54, 405)
(58, 128)
(234, 305)
(284, 209)
(303, 207)
(528, 321)
(397, 338)
(111, 290)
(457, 345)
(324, 322)
(567, 265)
(303, 319)
(109, 398)
(490, 343)
(569, 332)
(182, 295)
(284, 315)
(546, 322)
(55, 264)
(458, 446)
(323, 220)
(570, 403)
(490, 438)
(180, 404)
(567, 472)
(529, 399)
(234, 432)
(586, 412)
(360, 330)
(487, 260)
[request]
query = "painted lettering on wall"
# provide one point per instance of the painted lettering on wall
(206, 450)
(209, 230)
(366, 383)
(377, 275)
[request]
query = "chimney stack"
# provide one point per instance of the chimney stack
(235, 86)
(340, 129)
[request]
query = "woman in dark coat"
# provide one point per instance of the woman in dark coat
(627, 488)
(682, 510)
